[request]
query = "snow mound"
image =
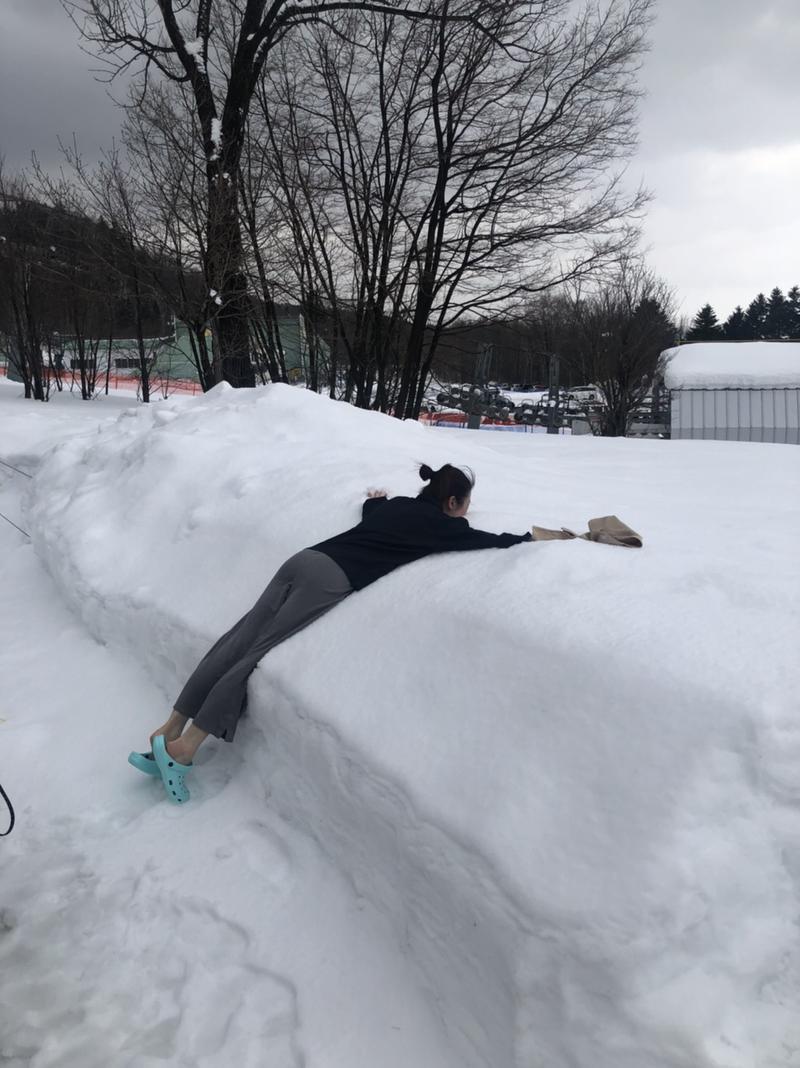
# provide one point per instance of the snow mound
(563, 771)
(733, 365)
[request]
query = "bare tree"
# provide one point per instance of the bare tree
(113, 243)
(83, 292)
(166, 169)
(613, 338)
(217, 49)
(74, 272)
(259, 220)
(431, 172)
(337, 143)
(26, 305)
(523, 188)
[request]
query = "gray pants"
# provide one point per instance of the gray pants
(305, 587)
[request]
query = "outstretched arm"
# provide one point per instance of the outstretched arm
(456, 534)
(374, 498)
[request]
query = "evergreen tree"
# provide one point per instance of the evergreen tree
(735, 327)
(756, 316)
(793, 305)
(705, 326)
(653, 321)
(777, 324)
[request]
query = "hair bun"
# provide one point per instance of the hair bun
(425, 473)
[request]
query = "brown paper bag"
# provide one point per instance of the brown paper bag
(609, 530)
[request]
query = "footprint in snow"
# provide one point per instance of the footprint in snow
(97, 971)
(264, 853)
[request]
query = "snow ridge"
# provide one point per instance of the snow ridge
(556, 770)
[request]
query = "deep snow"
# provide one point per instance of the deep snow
(733, 365)
(546, 797)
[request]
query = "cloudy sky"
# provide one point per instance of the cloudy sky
(720, 134)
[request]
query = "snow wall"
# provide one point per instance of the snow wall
(566, 772)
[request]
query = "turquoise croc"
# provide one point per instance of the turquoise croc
(144, 762)
(172, 773)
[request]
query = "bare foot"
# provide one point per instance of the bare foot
(169, 736)
(184, 748)
(172, 729)
(179, 751)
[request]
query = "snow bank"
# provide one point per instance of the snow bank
(565, 772)
(733, 365)
(29, 428)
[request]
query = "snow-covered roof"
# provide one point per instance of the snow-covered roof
(733, 364)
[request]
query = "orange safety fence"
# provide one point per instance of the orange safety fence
(159, 386)
(125, 382)
(460, 419)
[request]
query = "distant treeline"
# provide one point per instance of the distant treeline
(66, 275)
(774, 317)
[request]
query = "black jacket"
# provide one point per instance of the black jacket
(397, 531)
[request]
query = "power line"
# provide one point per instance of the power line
(13, 524)
(18, 470)
(3, 794)
(7, 800)
(25, 474)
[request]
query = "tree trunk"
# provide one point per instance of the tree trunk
(409, 381)
(197, 341)
(227, 277)
(144, 368)
(108, 360)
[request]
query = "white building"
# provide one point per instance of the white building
(735, 390)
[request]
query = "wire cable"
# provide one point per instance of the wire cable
(14, 525)
(7, 800)
(3, 794)
(17, 469)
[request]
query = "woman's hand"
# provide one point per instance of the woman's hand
(377, 493)
(545, 534)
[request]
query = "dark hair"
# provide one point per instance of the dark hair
(445, 483)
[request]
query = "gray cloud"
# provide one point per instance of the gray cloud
(718, 126)
(720, 149)
(721, 73)
(47, 89)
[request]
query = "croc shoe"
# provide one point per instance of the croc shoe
(172, 773)
(144, 762)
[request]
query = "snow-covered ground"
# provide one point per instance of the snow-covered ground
(529, 807)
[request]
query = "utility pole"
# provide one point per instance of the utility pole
(553, 392)
(483, 366)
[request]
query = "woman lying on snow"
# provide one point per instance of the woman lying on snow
(391, 533)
